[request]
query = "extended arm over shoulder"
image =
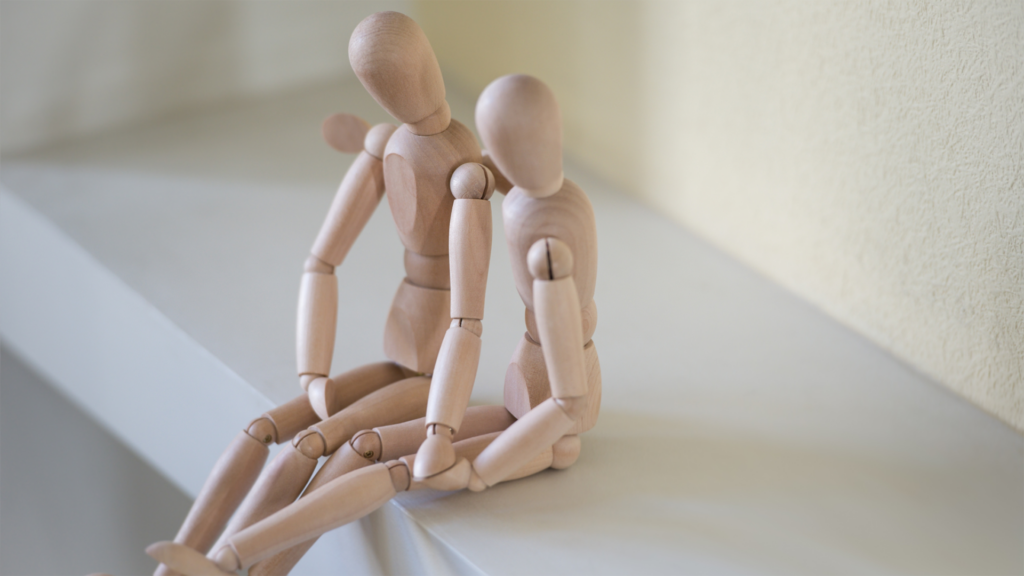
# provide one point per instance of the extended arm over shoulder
(469, 244)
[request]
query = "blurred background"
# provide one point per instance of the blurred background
(868, 156)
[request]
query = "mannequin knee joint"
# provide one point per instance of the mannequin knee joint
(263, 430)
(368, 445)
(310, 443)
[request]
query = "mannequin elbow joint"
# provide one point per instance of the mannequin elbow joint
(573, 407)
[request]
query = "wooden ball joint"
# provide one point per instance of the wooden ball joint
(549, 259)
(472, 182)
(405, 424)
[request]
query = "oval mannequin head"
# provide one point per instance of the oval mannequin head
(521, 125)
(393, 59)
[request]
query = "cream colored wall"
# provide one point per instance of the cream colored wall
(867, 156)
(71, 68)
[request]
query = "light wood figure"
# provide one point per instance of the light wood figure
(438, 191)
(552, 386)
(411, 164)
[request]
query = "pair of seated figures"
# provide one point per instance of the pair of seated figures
(406, 424)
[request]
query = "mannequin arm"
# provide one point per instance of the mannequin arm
(358, 196)
(470, 254)
(557, 308)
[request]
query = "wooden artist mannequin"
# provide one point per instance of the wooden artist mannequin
(413, 163)
(552, 386)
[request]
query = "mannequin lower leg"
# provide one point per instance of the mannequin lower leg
(384, 443)
(285, 478)
(235, 473)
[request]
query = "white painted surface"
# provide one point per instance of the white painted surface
(865, 155)
(742, 431)
(67, 485)
(72, 68)
(112, 352)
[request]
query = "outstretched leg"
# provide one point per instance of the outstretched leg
(381, 444)
(348, 458)
(285, 478)
(341, 501)
(336, 502)
(236, 471)
(239, 466)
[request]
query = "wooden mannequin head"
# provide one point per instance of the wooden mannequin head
(521, 125)
(393, 59)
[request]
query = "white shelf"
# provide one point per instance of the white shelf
(152, 274)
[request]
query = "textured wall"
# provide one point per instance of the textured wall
(868, 156)
(71, 68)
